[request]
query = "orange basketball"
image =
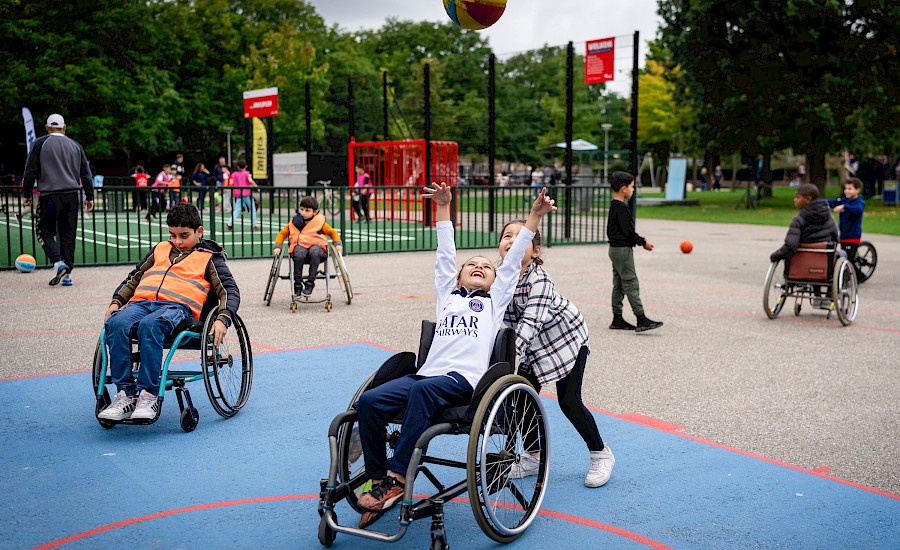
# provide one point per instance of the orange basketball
(687, 246)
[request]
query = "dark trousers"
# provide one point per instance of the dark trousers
(201, 199)
(361, 207)
(568, 392)
(58, 217)
(422, 397)
(314, 255)
(139, 199)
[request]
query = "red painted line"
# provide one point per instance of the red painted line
(822, 469)
(654, 423)
(150, 517)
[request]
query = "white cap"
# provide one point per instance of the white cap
(56, 121)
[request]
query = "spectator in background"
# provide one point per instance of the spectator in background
(199, 178)
(537, 180)
(704, 179)
(868, 172)
(717, 178)
(141, 180)
(362, 190)
(243, 196)
(178, 167)
(157, 193)
(884, 173)
(851, 166)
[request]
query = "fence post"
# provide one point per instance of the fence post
(635, 71)
(570, 100)
(384, 103)
(427, 80)
(492, 129)
(350, 106)
(308, 109)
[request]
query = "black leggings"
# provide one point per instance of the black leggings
(568, 391)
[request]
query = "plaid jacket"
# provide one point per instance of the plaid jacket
(549, 328)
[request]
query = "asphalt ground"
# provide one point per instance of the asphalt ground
(798, 390)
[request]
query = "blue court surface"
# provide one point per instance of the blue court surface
(252, 481)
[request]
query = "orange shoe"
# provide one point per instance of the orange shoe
(383, 497)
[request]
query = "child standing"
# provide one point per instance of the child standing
(622, 239)
(850, 207)
(470, 308)
(306, 240)
(242, 182)
(717, 178)
(361, 192)
(157, 192)
(168, 285)
(552, 345)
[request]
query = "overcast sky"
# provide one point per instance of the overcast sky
(526, 24)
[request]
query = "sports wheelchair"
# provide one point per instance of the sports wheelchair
(226, 369)
(505, 409)
(818, 272)
(865, 261)
(332, 268)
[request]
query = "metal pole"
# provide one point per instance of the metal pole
(635, 71)
(492, 137)
(308, 109)
(384, 104)
(270, 151)
(606, 128)
(228, 130)
(570, 100)
(350, 106)
(427, 91)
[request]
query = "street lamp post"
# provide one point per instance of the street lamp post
(606, 128)
(228, 130)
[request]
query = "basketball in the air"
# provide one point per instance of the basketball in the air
(687, 246)
(475, 14)
(25, 263)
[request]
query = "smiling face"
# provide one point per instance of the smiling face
(510, 232)
(850, 191)
(476, 274)
(185, 238)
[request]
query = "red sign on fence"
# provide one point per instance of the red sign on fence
(599, 60)
(261, 103)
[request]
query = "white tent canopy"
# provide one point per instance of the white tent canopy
(579, 145)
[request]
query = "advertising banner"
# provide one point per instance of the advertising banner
(260, 151)
(29, 129)
(599, 60)
(261, 103)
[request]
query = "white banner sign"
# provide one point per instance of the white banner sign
(29, 128)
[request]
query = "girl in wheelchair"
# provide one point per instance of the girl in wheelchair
(168, 285)
(470, 308)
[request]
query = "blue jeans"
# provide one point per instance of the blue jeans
(422, 397)
(239, 202)
(152, 321)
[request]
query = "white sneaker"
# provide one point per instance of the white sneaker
(120, 409)
(147, 407)
(524, 466)
(602, 463)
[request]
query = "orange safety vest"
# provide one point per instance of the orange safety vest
(182, 282)
(310, 235)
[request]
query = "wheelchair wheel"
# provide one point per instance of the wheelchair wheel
(509, 411)
(865, 261)
(190, 417)
(775, 291)
(103, 400)
(228, 368)
(844, 292)
(273, 278)
(351, 466)
(326, 533)
(340, 270)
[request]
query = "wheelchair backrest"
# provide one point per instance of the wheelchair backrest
(504, 346)
(812, 262)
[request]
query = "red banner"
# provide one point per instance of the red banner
(261, 103)
(599, 60)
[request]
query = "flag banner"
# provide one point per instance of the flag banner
(260, 150)
(29, 128)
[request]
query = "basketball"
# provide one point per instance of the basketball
(25, 263)
(475, 14)
(687, 246)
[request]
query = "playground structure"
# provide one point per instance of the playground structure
(398, 171)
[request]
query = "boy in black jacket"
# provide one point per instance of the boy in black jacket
(622, 239)
(813, 224)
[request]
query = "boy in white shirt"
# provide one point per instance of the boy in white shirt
(470, 307)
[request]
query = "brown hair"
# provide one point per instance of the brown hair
(855, 182)
(536, 241)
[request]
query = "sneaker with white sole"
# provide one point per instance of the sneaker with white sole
(60, 270)
(120, 409)
(524, 466)
(67, 280)
(147, 407)
(602, 463)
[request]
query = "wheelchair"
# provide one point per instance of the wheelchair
(504, 409)
(819, 273)
(865, 261)
(332, 268)
(226, 370)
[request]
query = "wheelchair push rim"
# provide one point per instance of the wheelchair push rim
(775, 291)
(844, 292)
(274, 274)
(340, 269)
(505, 507)
(103, 398)
(228, 378)
(865, 261)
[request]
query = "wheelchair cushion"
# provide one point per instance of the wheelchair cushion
(812, 262)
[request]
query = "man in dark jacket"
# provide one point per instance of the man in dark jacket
(813, 224)
(58, 166)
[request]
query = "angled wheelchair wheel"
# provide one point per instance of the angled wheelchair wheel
(844, 292)
(775, 291)
(865, 261)
(103, 400)
(273, 279)
(510, 422)
(228, 368)
(351, 466)
(340, 270)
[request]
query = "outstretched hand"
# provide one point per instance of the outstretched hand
(543, 204)
(440, 193)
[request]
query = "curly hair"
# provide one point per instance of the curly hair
(184, 215)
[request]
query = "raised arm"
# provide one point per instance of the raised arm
(445, 264)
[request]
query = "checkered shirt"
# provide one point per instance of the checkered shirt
(549, 328)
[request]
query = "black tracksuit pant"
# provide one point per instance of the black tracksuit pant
(58, 219)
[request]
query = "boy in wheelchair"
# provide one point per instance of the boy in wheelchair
(169, 285)
(470, 308)
(307, 243)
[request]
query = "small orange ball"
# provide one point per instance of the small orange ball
(687, 246)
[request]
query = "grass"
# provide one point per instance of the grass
(719, 207)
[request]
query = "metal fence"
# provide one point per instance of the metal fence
(120, 229)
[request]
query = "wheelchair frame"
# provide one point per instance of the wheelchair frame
(333, 259)
(215, 363)
(502, 403)
(842, 297)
